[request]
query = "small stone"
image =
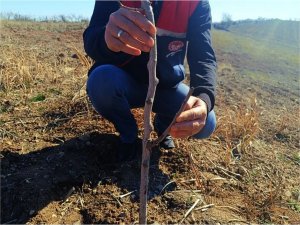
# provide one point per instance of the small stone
(31, 212)
(54, 216)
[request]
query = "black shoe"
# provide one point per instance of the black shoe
(167, 143)
(129, 151)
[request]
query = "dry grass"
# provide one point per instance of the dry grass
(28, 67)
(22, 67)
(239, 125)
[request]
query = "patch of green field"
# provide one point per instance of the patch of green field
(259, 50)
(283, 32)
(262, 59)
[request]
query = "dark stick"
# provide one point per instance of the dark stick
(166, 132)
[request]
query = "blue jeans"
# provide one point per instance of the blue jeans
(113, 93)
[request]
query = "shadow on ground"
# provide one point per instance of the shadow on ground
(29, 182)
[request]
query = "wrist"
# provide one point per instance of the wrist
(205, 98)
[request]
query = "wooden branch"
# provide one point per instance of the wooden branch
(148, 127)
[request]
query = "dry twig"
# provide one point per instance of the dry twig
(205, 207)
(225, 171)
(229, 207)
(124, 195)
(115, 198)
(190, 210)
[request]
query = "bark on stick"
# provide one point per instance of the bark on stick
(148, 127)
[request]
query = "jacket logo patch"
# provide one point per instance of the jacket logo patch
(174, 46)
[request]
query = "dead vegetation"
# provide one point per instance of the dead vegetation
(57, 154)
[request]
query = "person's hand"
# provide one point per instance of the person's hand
(191, 120)
(129, 31)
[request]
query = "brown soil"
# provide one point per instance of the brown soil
(58, 156)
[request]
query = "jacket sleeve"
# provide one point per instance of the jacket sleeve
(93, 37)
(200, 54)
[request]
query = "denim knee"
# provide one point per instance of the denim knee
(107, 86)
(209, 127)
(101, 87)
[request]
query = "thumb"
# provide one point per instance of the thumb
(190, 103)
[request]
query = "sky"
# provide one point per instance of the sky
(237, 9)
